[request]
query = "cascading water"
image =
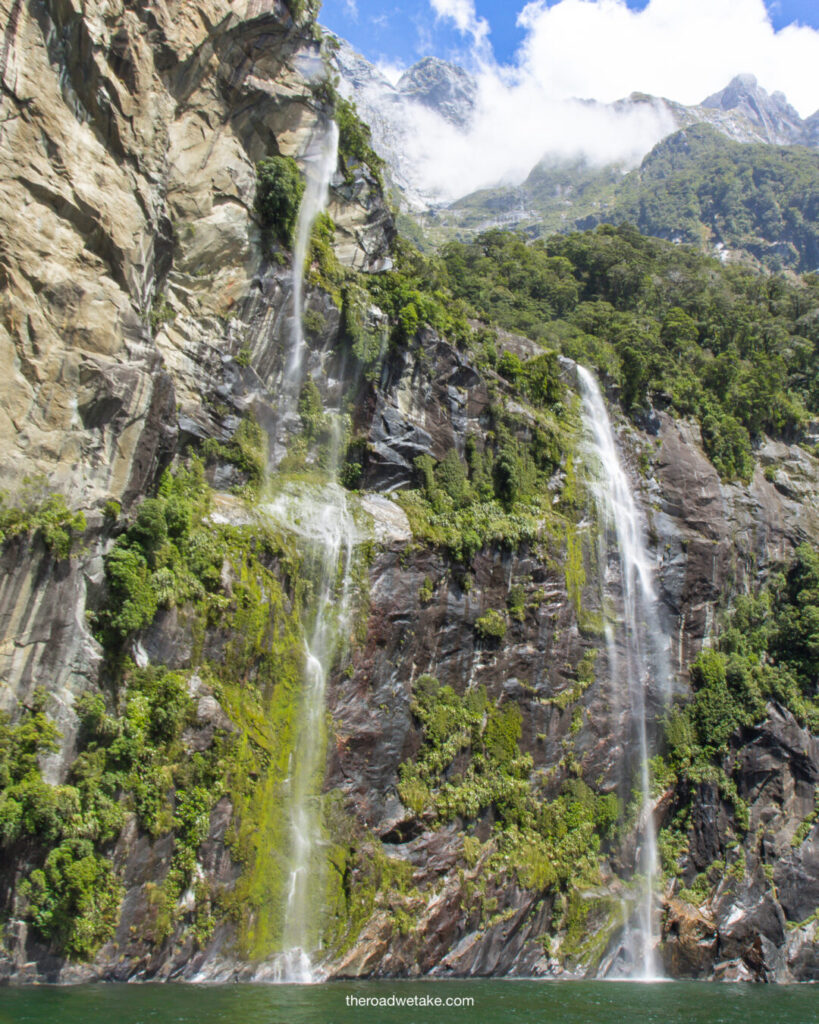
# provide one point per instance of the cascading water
(325, 524)
(321, 518)
(320, 162)
(640, 659)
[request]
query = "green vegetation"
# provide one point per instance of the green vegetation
(584, 674)
(491, 626)
(161, 313)
(279, 189)
(71, 896)
(246, 450)
(702, 188)
(470, 762)
(166, 558)
(732, 348)
(767, 650)
(696, 186)
(227, 583)
(355, 142)
(133, 758)
(303, 11)
(41, 513)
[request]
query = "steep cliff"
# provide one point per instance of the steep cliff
(476, 806)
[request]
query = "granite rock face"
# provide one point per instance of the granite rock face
(132, 263)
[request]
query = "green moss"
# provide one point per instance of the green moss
(584, 678)
(516, 602)
(355, 142)
(806, 826)
(247, 450)
(698, 892)
(544, 844)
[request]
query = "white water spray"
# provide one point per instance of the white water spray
(644, 663)
(320, 163)
(327, 527)
(321, 517)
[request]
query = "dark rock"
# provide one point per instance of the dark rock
(796, 878)
(689, 941)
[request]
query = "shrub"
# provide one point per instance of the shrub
(516, 602)
(112, 510)
(279, 190)
(74, 899)
(491, 626)
(42, 514)
(510, 367)
(311, 409)
(355, 141)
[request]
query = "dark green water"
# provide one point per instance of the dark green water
(494, 1002)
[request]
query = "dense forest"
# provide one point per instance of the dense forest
(755, 202)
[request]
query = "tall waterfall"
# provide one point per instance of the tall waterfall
(638, 662)
(320, 516)
(320, 161)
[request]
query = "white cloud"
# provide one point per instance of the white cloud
(514, 128)
(599, 49)
(391, 71)
(352, 9)
(682, 49)
(465, 17)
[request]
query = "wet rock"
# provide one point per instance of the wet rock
(689, 941)
(796, 877)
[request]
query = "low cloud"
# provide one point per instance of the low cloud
(600, 50)
(391, 71)
(515, 127)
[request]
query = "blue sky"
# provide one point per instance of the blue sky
(533, 61)
(400, 33)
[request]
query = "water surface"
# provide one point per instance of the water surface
(494, 1002)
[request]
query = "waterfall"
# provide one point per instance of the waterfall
(326, 526)
(642, 670)
(320, 161)
(320, 517)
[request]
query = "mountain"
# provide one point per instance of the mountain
(432, 86)
(743, 112)
(756, 202)
(733, 198)
(344, 591)
(741, 200)
(442, 87)
(773, 117)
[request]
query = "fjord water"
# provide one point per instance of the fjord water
(492, 1002)
(637, 660)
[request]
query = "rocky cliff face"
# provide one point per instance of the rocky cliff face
(142, 313)
(132, 261)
